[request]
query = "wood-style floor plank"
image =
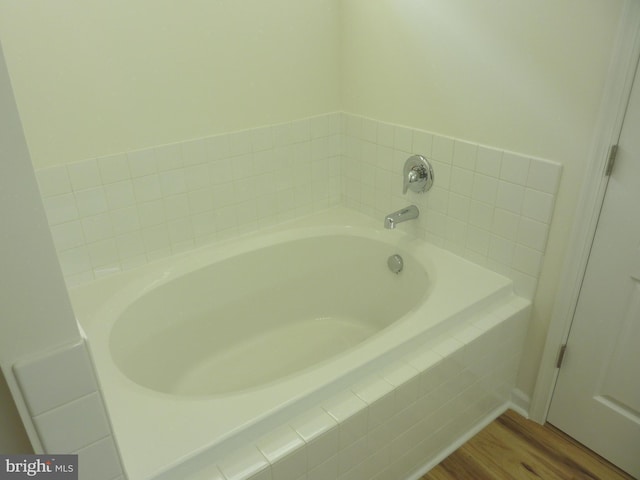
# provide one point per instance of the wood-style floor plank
(513, 447)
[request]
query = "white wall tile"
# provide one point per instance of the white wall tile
(151, 213)
(515, 168)
(422, 143)
(459, 206)
(505, 223)
(97, 227)
(84, 174)
(73, 425)
(53, 181)
(61, 208)
(544, 176)
(538, 205)
(142, 162)
(328, 470)
(403, 139)
(489, 161)
(532, 233)
(147, 188)
(527, 260)
(194, 152)
(91, 201)
(462, 181)
(464, 155)
(130, 245)
(100, 459)
(481, 215)
(172, 182)
(168, 157)
(125, 220)
(485, 188)
(442, 149)
(196, 177)
(510, 196)
(386, 134)
(120, 194)
(176, 207)
(205, 187)
(103, 252)
(55, 378)
(501, 250)
(68, 235)
(113, 168)
(218, 147)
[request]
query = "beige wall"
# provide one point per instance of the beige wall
(94, 77)
(520, 75)
(36, 313)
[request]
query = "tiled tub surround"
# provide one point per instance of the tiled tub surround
(463, 338)
(488, 205)
(68, 410)
(118, 212)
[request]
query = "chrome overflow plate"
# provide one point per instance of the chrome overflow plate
(395, 263)
(418, 174)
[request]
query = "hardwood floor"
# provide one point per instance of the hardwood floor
(513, 447)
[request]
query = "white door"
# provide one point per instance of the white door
(597, 396)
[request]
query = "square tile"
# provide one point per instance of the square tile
(168, 157)
(489, 161)
(147, 188)
(510, 196)
(91, 201)
(515, 168)
(442, 149)
(120, 194)
(544, 176)
(464, 155)
(194, 152)
(114, 168)
(142, 162)
(538, 205)
(84, 174)
(53, 180)
(61, 208)
(527, 260)
(74, 425)
(56, 378)
(101, 459)
(485, 188)
(97, 227)
(67, 235)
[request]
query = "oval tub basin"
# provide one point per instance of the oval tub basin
(257, 317)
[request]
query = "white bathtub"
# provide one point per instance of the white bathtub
(199, 353)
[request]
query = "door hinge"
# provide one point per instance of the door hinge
(611, 160)
(563, 350)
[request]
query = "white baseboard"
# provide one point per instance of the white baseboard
(520, 402)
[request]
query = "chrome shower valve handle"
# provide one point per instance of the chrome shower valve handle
(417, 174)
